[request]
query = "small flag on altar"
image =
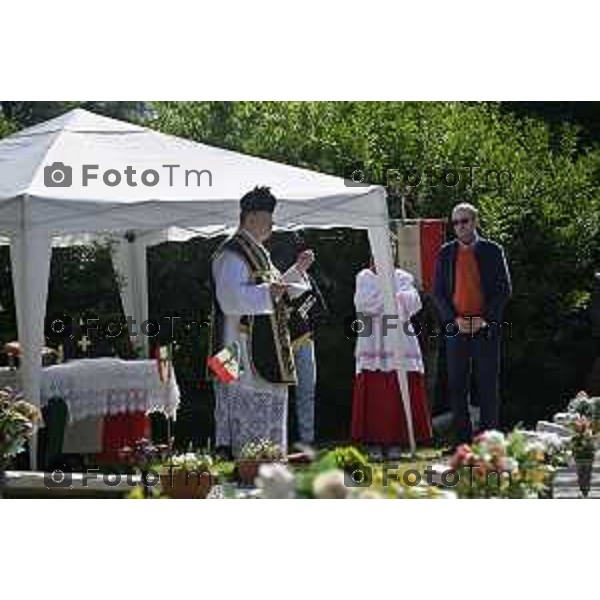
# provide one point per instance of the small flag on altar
(164, 363)
(226, 364)
(162, 356)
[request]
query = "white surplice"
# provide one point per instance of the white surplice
(251, 407)
(375, 352)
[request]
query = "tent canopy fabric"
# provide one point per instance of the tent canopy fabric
(100, 157)
(202, 186)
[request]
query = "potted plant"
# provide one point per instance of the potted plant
(583, 449)
(17, 421)
(252, 455)
(141, 455)
(187, 476)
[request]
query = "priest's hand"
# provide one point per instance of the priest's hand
(305, 260)
(278, 289)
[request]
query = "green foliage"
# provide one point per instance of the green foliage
(327, 461)
(17, 421)
(346, 457)
(6, 126)
(25, 114)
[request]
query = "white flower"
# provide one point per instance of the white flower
(552, 441)
(492, 437)
(330, 485)
(492, 442)
(509, 464)
(191, 460)
(536, 446)
(276, 481)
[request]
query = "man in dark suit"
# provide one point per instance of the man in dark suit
(304, 313)
(472, 286)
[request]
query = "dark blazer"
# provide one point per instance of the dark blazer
(493, 270)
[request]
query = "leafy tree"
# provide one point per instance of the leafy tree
(25, 114)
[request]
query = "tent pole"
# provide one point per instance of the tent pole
(30, 252)
(379, 239)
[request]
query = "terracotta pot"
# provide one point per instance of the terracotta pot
(187, 484)
(247, 469)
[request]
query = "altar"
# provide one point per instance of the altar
(93, 387)
(106, 402)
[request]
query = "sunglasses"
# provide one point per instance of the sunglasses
(464, 221)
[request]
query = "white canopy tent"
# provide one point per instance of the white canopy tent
(182, 189)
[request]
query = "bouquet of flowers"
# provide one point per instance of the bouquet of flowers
(582, 443)
(499, 466)
(554, 446)
(17, 421)
(588, 407)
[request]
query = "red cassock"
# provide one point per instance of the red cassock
(377, 410)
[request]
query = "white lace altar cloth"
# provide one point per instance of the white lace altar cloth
(109, 386)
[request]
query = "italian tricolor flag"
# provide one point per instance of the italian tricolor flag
(419, 241)
(225, 364)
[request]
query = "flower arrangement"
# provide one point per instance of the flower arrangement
(554, 446)
(499, 466)
(582, 443)
(143, 453)
(253, 454)
(261, 450)
(588, 407)
(583, 448)
(190, 461)
(17, 421)
(187, 475)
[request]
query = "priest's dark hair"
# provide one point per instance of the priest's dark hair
(258, 199)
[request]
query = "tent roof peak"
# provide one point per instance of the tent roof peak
(78, 120)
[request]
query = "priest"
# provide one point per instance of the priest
(250, 318)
